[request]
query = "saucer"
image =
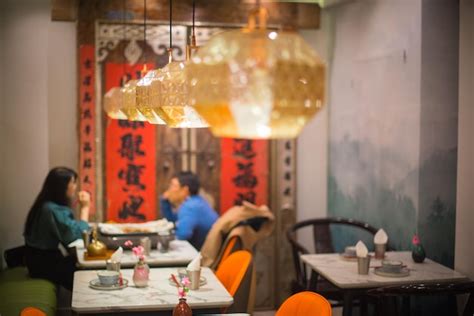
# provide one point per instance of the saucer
(95, 284)
(404, 272)
(202, 281)
(348, 257)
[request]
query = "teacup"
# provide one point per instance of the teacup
(107, 277)
(393, 266)
(350, 251)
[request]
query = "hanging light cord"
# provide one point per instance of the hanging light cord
(171, 24)
(194, 14)
(124, 40)
(144, 20)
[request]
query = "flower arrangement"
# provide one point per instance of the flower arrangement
(138, 251)
(182, 285)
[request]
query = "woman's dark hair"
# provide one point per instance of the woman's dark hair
(190, 180)
(54, 190)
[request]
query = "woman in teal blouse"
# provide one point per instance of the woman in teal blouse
(50, 226)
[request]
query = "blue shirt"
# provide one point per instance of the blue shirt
(193, 219)
(55, 224)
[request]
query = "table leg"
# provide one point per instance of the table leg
(347, 309)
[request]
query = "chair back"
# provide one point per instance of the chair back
(231, 245)
(235, 273)
(15, 257)
(385, 305)
(32, 311)
(322, 241)
(305, 304)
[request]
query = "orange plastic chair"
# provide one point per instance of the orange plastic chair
(32, 311)
(235, 274)
(305, 304)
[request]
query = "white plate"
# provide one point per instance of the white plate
(95, 284)
(403, 273)
(202, 281)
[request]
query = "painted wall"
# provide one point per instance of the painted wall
(374, 117)
(312, 165)
(465, 183)
(37, 107)
(393, 121)
(24, 127)
(62, 95)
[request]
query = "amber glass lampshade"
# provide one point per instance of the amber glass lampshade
(175, 99)
(129, 106)
(113, 104)
(148, 97)
(256, 83)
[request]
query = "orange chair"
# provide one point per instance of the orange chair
(235, 273)
(305, 304)
(32, 311)
(230, 245)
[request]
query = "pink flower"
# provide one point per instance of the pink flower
(415, 240)
(185, 281)
(181, 292)
(128, 243)
(138, 251)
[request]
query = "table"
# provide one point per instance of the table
(343, 273)
(181, 252)
(158, 296)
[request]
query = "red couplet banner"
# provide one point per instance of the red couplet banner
(87, 117)
(130, 159)
(244, 172)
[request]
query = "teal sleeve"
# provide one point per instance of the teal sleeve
(69, 229)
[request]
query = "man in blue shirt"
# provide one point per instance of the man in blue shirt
(191, 213)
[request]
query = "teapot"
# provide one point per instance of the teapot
(96, 248)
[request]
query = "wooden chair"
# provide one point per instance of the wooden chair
(235, 273)
(323, 243)
(387, 304)
(305, 304)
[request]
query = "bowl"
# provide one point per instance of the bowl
(393, 266)
(107, 277)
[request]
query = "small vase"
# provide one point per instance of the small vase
(418, 253)
(182, 308)
(141, 274)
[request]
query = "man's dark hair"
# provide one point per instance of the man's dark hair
(190, 180)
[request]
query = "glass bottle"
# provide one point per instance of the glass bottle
(141, 273)
(182, 308)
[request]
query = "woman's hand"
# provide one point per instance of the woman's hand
(85, 203)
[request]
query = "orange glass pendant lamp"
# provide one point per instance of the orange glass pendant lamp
(256, 83)
(113, 104)
(148, 95)
(129, 106)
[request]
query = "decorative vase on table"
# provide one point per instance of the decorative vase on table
(418, 252)
(141, 273)
(182, 308)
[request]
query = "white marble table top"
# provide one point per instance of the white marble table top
(181, 253)
(343, 273)
(160, 295)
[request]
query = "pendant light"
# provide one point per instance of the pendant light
(129, 90)
(256, 83)
(174, 91)
(148, 89)
(113, 99)
(113, 104)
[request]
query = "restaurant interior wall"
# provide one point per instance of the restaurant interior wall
(37, 107)
(464, 258)
(393, 120)
(312, 144)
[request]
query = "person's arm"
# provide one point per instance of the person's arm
(187, 221)
(85, 203)
(167, 210)
(69, 229)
